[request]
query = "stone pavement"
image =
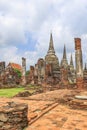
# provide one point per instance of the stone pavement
(46, 114)
(61, 118)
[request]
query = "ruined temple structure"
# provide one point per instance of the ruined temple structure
(13, 73)
(52, 63)
(48, 70)
(9, 75)
(37, 73)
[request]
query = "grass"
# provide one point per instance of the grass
(10, 92)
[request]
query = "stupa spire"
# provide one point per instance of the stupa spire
(51, 46)
(64, 52)
(64, 62)
(71, 60)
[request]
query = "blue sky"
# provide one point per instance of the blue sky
(25, 27)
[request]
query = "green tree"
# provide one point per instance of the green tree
(27, 72)
(18, 72)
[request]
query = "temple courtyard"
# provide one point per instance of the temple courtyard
(54, 110)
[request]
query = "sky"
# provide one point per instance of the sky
(25, 27)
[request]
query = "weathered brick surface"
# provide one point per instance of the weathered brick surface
(80, 83)
(77, 43)
(30, 78)
(85, 77)
(2, 66)
(61, 117)
(13, 116)
(79, 63)
(78, 104)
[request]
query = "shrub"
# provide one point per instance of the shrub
(18, 72)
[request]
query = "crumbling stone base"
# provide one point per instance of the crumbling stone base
(13, 116)
(79, 82)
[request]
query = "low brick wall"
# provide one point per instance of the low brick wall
(13, 116)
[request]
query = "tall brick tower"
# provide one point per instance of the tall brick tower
(79, 63)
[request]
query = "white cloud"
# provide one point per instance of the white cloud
(66, 19)
(9, 54)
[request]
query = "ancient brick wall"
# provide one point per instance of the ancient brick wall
(48, 70)
(41, 70)
(2, 67)
(64, 76)
(13, 116)
(30, 77)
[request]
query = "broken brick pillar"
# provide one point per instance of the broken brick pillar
(41, 70)
(79, 63)
(36, 74)
(31, 75)
(2, 67)
(64, 76)
(23, 71)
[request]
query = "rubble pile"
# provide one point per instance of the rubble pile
(74, 103)
(78, 104)
(23, 94)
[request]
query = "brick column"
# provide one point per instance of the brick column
(23, 71)
(79, 63)
(31, 75)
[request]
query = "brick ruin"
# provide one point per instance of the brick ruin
(23, 82)
(79, 63)
(12, 74)
(13, 116)
(48, 71)
(2, 67)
